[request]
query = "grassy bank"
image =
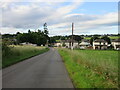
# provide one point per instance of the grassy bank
(91, 68)
(19, 53)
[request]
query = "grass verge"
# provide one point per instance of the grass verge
(91, 68)
(20, 53)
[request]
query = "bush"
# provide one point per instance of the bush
(5, 48)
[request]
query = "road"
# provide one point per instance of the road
(43, 71)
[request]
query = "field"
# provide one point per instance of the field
(19, 53)
(88, 38)
(111, 37)
(91, 68)
(114, 37)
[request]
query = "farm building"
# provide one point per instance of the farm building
(100, 44)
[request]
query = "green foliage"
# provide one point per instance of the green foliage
(114, 37)
(87, 38)
(63, 45)
(106, 38)
(52, 40)
(58, 38)
(39, 38)
(8, 36)
(93, 38)
(45, 29)
(92, 68)
(77, 38)
(5, 48)
(19, 53)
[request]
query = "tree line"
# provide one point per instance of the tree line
(39, 37)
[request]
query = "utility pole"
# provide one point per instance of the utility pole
(72, 36)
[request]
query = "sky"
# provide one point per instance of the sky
(88, 17)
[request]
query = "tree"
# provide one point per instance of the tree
(39, 38)
(77, 38)
(106, 38)
(45, 28)
(63, 44)
(5, 47)
(52, 40)
(18, 33)
(29, 31)
(92, 39)
(62, 37)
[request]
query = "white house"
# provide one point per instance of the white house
(100, 44)
(68, 43)
(58, 44)
(84, 44)
(116, 44)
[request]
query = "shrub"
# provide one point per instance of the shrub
(5, 48)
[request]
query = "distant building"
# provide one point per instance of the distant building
(84, 44)
(116, 44)
(58, 44)
(100, 44)
(68, 43)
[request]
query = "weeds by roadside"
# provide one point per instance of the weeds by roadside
(18, 53)
(91, 68)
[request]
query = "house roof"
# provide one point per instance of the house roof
(85, 40)
(69, 41)
(116, 40)
(100, 45)
(99, 40)
(84, 43)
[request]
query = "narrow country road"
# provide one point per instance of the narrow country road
(43, 71)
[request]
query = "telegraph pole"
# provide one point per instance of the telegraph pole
(72, 36)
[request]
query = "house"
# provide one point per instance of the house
(58, 44)
(100, 44)
(116, 44)
(68, 43)
(84, 44)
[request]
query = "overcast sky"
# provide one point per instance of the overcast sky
(88, 17)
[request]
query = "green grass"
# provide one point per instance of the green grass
(91, 68)
(111, 37)
(19, 53)
(114, 37)
(88, 38)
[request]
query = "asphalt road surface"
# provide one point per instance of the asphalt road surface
(43, 71)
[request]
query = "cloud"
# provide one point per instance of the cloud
(8, 30)
(110, 19)
(33, 14)
(58, 15)
(89, 21)
(23, 16)
(88, 24)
